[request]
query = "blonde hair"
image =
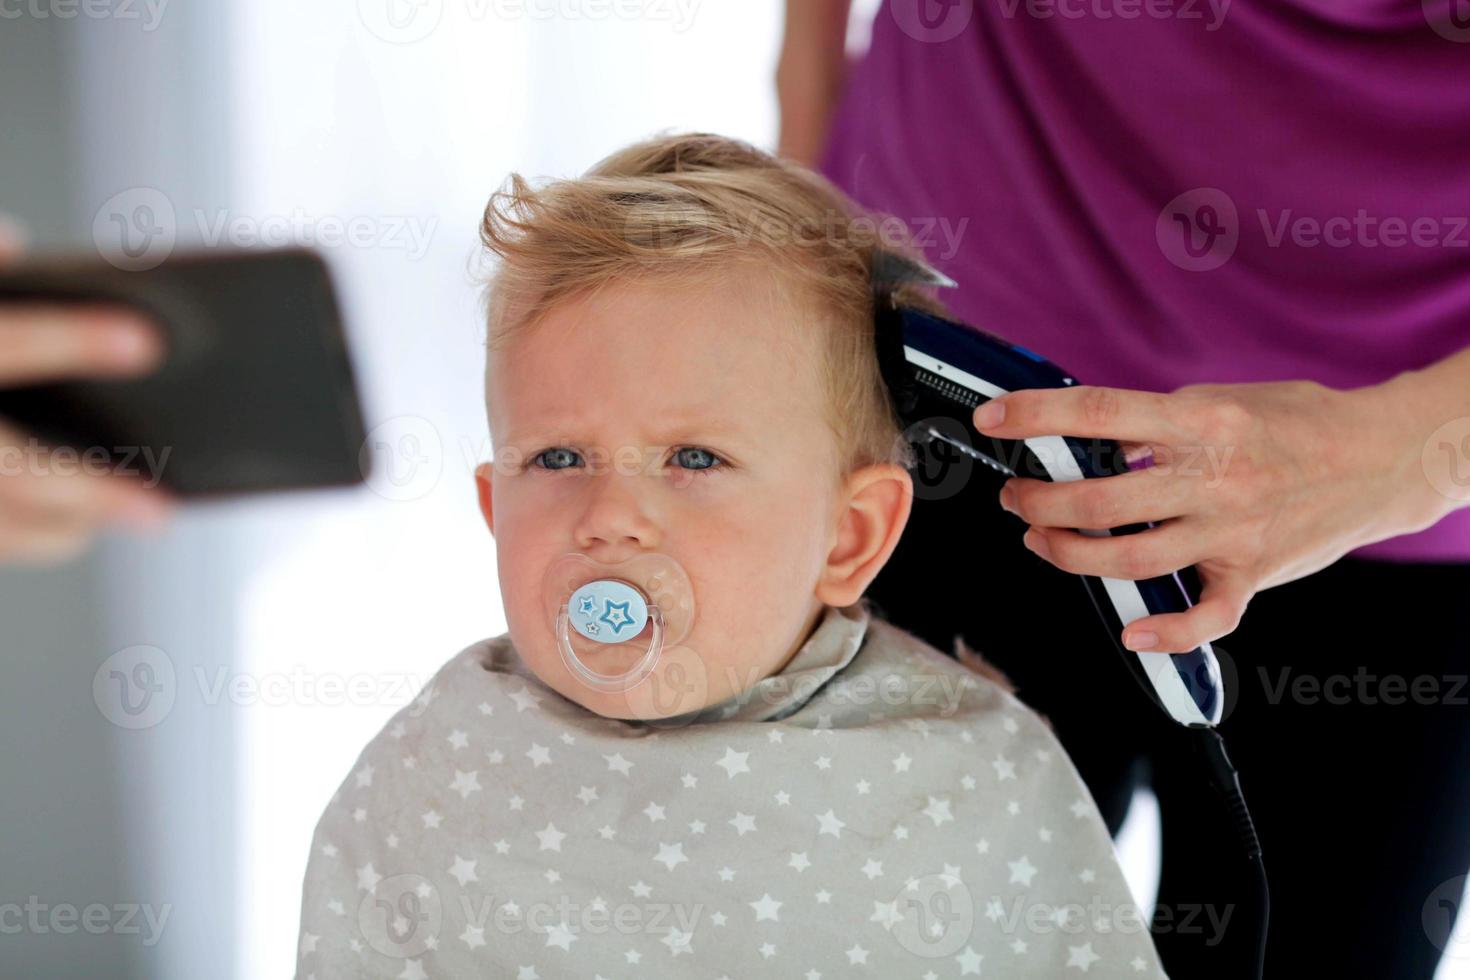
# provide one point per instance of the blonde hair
(684, 208)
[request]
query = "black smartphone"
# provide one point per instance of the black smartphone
(256, 391)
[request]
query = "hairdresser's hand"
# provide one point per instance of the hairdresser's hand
(50, 506)
(1256, 484)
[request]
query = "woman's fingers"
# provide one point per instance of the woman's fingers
(1158, 551)
(41, 343)
(1129, 498)
(45, 484)
(41, 538)
(1222, 603)
(52, 501)
(1086, 411)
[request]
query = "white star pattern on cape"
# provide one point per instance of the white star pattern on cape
(465, 783)
(463, 871)
(734, 762)
(766, 908)
(550, 838)
(671, 855)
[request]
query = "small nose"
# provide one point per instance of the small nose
(614, 519)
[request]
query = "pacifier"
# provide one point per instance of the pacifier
(603, 613)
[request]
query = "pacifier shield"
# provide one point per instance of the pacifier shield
(657, 580)
(607, 611)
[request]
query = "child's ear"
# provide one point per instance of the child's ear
(872, 520)
(482, 484)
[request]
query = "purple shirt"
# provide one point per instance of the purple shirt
(1255, 193)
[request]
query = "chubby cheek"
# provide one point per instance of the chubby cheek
(753, 592)
(745, 633)
(522, 560)
(523, 613)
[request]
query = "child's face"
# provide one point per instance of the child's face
(687, 421)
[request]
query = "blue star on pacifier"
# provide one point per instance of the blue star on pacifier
(617, 623)
(624, 610)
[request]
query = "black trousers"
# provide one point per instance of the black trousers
(1348, 719)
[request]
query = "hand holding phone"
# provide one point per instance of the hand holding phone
(254, 390)
(48, 512)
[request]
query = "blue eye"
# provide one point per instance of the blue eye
(559, 454)
(694, 458)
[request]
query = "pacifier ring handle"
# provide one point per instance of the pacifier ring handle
(612, 683)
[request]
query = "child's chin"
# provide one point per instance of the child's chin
(678, 685)
(638, 703)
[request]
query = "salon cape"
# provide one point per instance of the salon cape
(873, 809)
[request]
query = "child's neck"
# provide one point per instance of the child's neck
(813, 617)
